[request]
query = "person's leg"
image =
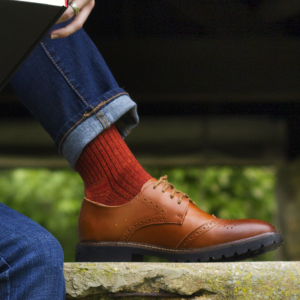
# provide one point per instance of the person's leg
(67, 86)
(69, 89)
(125, 211)
(31, 260)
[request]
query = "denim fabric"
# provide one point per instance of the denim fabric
(69, 89)
(31, 260)
(91, 127)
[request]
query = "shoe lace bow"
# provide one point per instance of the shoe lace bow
(164, 180)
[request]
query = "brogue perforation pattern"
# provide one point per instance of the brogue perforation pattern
(159, 218)
(198, 232)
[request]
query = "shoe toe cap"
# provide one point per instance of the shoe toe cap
(226, 231)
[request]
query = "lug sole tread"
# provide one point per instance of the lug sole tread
(134, 252)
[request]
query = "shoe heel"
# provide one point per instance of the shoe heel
(89, 252)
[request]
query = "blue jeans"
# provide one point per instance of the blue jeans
(69, 89)
(31, 260)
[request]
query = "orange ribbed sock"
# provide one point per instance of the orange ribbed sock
(111, 174)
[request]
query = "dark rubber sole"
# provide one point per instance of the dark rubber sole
(134, 252)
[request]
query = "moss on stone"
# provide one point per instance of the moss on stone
(275, 280)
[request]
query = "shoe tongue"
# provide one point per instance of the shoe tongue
(149, 182)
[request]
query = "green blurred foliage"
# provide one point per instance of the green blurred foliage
(227, 192)
(53, 198)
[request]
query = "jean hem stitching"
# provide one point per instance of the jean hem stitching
(102, 116)
(85, 116)
(99, 119)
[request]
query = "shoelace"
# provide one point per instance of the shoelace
(164, 180)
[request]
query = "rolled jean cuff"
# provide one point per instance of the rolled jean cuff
(122, 111)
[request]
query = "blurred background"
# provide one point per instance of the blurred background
(218, 93)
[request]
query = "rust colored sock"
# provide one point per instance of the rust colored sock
(111, 174)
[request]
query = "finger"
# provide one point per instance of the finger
(75, 25)
(69, 13)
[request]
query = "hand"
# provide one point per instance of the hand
(85, 7)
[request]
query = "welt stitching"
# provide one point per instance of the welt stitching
(146, 246)
(86, 115)
(63, 74)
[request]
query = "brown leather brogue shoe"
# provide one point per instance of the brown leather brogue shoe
(161, 221)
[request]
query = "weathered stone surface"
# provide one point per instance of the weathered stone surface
(202, 281)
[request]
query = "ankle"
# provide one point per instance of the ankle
(110, 172)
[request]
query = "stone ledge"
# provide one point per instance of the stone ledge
(202, 281)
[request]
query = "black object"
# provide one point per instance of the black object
(23, 24)
(128, 252)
